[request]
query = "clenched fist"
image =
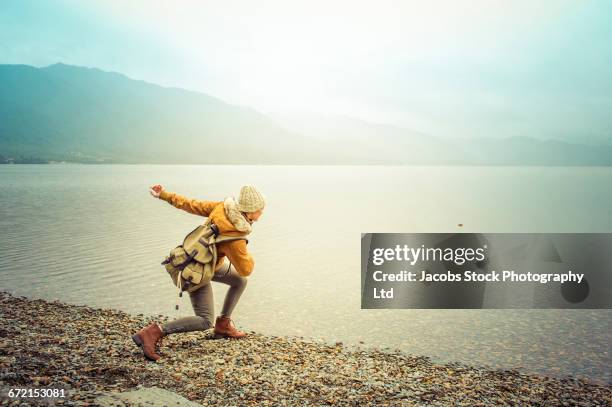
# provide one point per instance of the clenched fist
(156, 189)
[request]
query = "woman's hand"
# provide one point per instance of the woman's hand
(156, 189)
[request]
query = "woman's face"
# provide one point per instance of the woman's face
(254, 216)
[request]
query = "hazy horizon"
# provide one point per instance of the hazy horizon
(493, 69)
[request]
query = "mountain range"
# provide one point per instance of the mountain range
(76, 114)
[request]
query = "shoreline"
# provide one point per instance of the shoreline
(89, 352)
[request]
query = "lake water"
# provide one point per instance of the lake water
(93, 235)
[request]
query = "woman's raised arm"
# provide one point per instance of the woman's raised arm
(194, 206)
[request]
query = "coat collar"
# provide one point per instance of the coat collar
(235, 216)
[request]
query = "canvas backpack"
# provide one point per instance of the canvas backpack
(192, 264)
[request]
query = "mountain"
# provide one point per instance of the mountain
(71, 113)
(362, 141)
(68, 113)
(396, 145)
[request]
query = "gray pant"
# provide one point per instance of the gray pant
(203, 303)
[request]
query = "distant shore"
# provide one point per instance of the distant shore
(89, 353)
(441, 165)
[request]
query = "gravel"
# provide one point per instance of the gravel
(89, 353)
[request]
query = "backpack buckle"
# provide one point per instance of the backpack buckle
(215, 229)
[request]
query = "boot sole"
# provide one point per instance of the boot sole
(137, 340)
(221, 336)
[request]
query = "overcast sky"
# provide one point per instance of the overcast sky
(448, 68)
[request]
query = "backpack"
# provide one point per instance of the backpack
(192, 264)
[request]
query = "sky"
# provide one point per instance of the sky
(495, 68)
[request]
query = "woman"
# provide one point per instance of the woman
(233, 218)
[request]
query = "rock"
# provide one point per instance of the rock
(153, 396)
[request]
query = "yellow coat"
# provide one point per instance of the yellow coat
(230, 223)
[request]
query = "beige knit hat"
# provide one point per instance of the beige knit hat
(250, 200)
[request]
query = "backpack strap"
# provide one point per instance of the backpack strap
(223, 239)
(219, 238)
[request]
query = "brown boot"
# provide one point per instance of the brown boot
(225, 328)
(147, 338)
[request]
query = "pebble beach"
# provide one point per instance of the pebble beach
(88, 352)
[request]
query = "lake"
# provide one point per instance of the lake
(92, 234)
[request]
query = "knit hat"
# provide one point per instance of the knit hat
(250, 200)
